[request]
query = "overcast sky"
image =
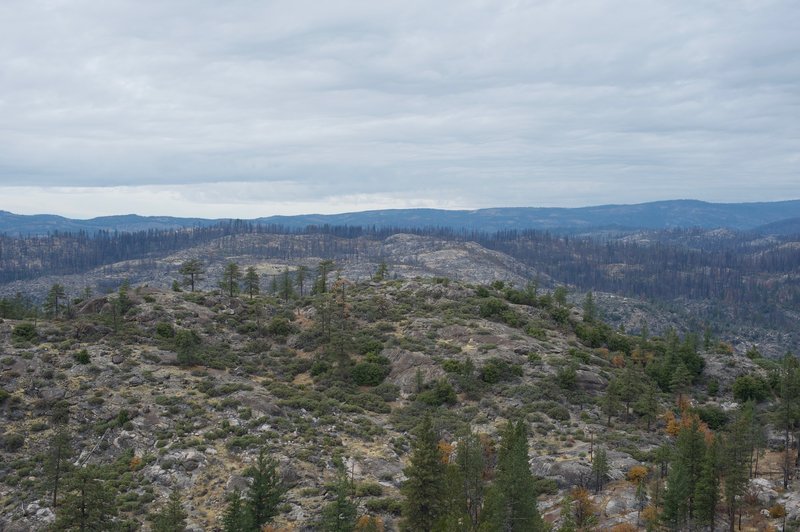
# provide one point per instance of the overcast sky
(249, 108)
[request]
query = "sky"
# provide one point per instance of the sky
(248, 108)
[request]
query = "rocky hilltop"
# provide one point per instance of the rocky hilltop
(176, 391)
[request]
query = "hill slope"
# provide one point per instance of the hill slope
(164, 390)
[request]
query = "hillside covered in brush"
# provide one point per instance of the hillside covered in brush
(321, 403)
(743, 286)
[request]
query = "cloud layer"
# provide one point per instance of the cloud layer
(455, 103)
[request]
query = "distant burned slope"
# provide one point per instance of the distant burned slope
(728, 278)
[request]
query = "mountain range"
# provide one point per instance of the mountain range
(782, 217)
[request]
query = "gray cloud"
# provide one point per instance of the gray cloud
(453, 103)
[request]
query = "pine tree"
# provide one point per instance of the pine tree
(57, 461)
(706, 491)
(681, 380)
(235, 518)
(691, 450)
(676, 496)
(300, 278)
(610, 402)
(471, 465)
(567, 515)
(266, 490)
(286, 290)
(340, 515)
(787, 415)
(171, 518)
(734, 464)
(600, 468)
(252, 282)
(589, 308)
(192, 271)
(230, 279)
(511, 501)
(321, 283)
(381, 272)
(424, 486)
(54, 297)
(88, 503)
(647, 405)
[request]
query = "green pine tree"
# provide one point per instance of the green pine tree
(706, 491)
(266, 490)
(676, 496)
(286, 286)
(231, 276)
(323, 269)
(57, 463)
(172, 517)
(600, 468)
(511, 501)
(192, 271)
(471, 465)
(589, 308)
(300, 278)
(54, 298)
(340, 515)
(252, 282)
(691, 450)
(236, 518)
(734, 464)
(89, 502)
(425, 481)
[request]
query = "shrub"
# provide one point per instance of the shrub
(714, 416)
(441, 393)
(492, 308)
(372, 489)
(777, 511)
(82, 357)
(747, 387)
(186, 339)
(496, 370)
(280, 326)
(386, 505)
(567, 377)
(13, 441)
(369, 373)
(165, 330)
(24, 332)
(387, 391)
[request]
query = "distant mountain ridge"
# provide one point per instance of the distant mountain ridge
(762, 217)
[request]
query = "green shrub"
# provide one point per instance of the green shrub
(452, 366)
(496, 370)
(280, 326)
(386, 505)
(492, 308)
(567, 377)
(714, 416)
(82, 357)
(24, 332)
(165, 330)
(12, 441)
(441, 393)
(387, 391)
(369, 373)
(369, 489)
(750, 387)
